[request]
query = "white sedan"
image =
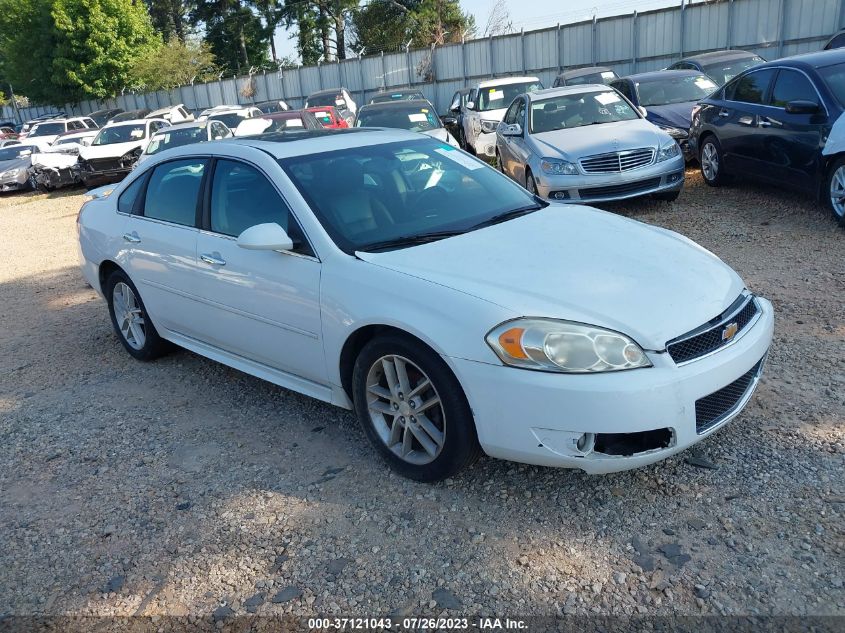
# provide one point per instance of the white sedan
(453, 311)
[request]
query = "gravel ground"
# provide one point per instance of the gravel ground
(182, 487)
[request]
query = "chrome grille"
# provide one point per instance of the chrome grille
(709, 337)
(712, 409)
(617, 162)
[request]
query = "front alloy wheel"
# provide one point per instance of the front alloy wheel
(836, 189)
(710, 159)
(413, 409)
(530, 183)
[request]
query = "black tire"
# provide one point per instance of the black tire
(153, 346)
(717, 173)
(460, 446)
(499, 166)
(827, 192)
(667, 196)
(530, 183)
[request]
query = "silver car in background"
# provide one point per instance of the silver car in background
(586, 144)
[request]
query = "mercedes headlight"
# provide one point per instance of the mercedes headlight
(488, 127)
(667, 151)
(564, 346)
(557, 167)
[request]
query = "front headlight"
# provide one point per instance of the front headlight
(488, 127)
(11, 173)
(557, 167)
(675, 132)
(670, 150)
(564, 346)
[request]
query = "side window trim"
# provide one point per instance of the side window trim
(204, 215)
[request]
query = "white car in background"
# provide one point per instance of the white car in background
(184, 134)
(173, 114)
(115, 150)
(485, 107)
(48, 131)
(232, 116)
(56, 166)
(383, 271)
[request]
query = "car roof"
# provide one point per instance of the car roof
(179, 126)
(286, 114)
(85, 132)
(662, 74)
(165, 109)
(405, 103)
(327, 91)
(382, 93)
(505, 81)
(131, 122)
(547, 93)
(716, 56)
(580, 72)
(817, 59)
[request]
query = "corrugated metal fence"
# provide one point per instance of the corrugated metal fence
(628, 43)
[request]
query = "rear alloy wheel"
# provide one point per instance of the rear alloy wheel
(530, 183)
(130, 320)
(710, 158)
(835, 190)
(413, 409)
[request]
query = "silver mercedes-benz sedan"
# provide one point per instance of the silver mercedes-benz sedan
(586, 144)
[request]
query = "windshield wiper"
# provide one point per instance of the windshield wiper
(409, 240)
(509, 215)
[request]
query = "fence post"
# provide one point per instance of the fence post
(522, 51)
(635, 40)
(464, 60)
(841, 16)
(683, 25)
(383, 73)
(594, 43)
(559, 53)
(408, 62)
(490, 53)
(731, 23)
(361, 77)
(781, 26)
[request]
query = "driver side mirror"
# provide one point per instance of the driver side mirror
(514, 129)
(265, 237)
(470, 105)
(448, 120)
(643, 111)
(802, 107)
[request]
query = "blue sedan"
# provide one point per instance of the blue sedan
(781, 122)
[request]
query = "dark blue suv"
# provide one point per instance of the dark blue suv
(781, 122)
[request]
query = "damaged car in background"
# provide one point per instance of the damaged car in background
(14, 167)
(115, 150)
(56, 166)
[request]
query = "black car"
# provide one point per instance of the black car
(780, 122)
(720, 66)
(454, 120)
(589, 75)
(837, 41)
(668, 98)
(401, 94)
(101, 117)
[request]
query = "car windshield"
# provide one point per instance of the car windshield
(175, 138)
(578, 110)
(665, 90)
(834, 77)
(371, 195)
(397, 96)
(331, 99)
(14, 152)
(231, 119)
(604, 77)
(47, 129)
(723, 72)
(120, 134)
(497, 97)
(413, 118)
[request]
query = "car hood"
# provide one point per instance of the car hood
(57, 160)
(492, 115)
(577, 142)
(677, 115)
(115, 150)
(15, 163)
(580, 264)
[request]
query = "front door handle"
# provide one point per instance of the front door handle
(765, 124)
(746, 120)
(213, 259)
(724, 113)
(131, 237)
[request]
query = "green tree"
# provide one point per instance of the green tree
(174, 64)
(59, 51)
(169, 18)
(235, 34)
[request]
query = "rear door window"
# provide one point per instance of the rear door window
(751, 88)
(173, 191)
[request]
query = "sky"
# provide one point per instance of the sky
(536, 14)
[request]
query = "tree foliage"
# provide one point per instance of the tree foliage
(59, 51)
(170, 18)
(235, 33)
(174, 64)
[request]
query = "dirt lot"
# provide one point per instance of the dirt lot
(184, 487)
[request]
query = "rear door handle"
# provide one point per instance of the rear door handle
(765, 123)
(131, 237)
(724, 113)
(746, 120)
(213, 259)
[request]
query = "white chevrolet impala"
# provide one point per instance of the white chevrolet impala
(454, 312)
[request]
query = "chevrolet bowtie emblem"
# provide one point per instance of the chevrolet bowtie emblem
(730, 331)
